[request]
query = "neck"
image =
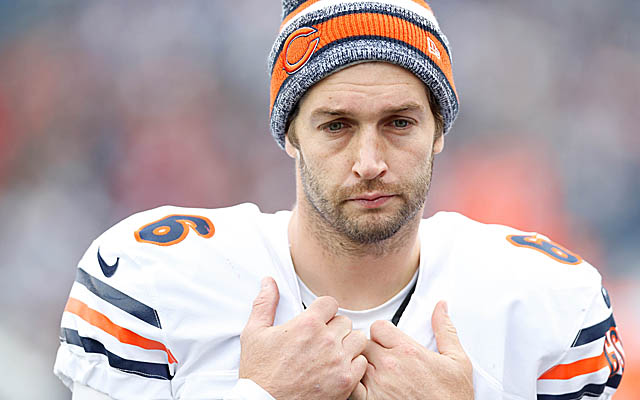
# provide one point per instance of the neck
(330, 264)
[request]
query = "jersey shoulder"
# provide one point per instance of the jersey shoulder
(514, 255)
(129, 254)
(166, 226)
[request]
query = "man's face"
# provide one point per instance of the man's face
(366, 145)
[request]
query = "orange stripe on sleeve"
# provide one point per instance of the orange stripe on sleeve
(580, 367)
(123, 335)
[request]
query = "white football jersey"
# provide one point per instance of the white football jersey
(160, 299)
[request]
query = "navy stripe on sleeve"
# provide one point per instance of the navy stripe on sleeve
(589, 390)
(614, 381)
(118, 299)
(595, 332)
(145, 369)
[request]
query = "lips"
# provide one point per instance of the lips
(373, 200)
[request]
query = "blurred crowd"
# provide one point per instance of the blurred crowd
(109, 108)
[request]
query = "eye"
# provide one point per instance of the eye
(400, 123)
(335, 126)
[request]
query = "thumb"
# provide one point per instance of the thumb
(263, 311)
(445, 333)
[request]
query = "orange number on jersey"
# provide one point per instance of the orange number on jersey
(546, 247)
(173, 229)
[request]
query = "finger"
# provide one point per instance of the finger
(354, 343)
(368, 378)
(388, 335)
(359, 393)
(263, 311)
(359, 367)
(323, 307)
(445, 332)
(340, 326)
(373, 352)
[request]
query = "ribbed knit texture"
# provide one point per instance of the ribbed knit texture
(320, 37)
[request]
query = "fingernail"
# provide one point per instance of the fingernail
(264, 283)
(446, 307)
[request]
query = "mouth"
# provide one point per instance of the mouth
(373, 200)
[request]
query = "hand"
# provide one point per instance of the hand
(400, 368)
(316, 355)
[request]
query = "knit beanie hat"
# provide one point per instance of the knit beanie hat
(320, 37)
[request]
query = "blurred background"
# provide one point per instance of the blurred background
(109, 108)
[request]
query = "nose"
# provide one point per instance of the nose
(369, 160)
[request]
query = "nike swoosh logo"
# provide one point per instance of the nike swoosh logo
(107, 270)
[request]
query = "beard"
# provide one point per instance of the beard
(365, 226)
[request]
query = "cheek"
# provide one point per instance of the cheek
(329, 167)
(411, 159)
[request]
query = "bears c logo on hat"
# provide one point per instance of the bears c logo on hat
(298, 51)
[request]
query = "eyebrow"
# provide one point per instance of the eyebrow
(337, 112)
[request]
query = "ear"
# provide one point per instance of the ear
(289, 148)
(438, 145)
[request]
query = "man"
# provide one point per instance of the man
(358, 296)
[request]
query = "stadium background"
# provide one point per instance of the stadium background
(108, 108)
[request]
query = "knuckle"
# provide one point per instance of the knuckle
(389, 363)
(447, 331)
(327, 339)
(409, 351)
(259, 301)
(345, 381)
(451, 330)
(338, 360)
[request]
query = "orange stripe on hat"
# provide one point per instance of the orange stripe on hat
(123, 335)
(581, 367)
(362, 24)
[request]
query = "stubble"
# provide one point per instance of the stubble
(344, 230)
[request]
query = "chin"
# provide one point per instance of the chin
(369, 229)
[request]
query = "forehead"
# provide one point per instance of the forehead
(368, 86)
